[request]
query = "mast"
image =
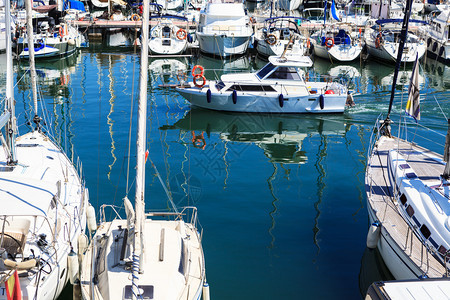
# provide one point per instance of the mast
(10, 126)
(401, 46)
(30, 35)
(446, 174)
(141, 137)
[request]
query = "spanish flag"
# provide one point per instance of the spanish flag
(13, 291)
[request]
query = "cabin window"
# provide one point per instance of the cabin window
(410, 211)
(285, 73)
(265, 70)
(183, 259)
(166, 32)
(220, 85)
(251, 88)
(425, 231)
(442, 250)
(403, 199)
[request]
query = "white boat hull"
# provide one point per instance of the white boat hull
(264, 102)
(338, 52)
(388, 52)
(289, 4)
(223, 45)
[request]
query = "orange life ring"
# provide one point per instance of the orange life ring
(329, 42)
(308, 43)
(61, 31)
(181, 34)
(194, 69)
(271, 39)
(198, 140)
(135, 17)
(199, 77)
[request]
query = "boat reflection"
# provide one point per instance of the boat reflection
(168, 70)
(438, 74)
(279, 136)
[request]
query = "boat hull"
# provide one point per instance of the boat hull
(265, 102)
(438, 50)
(338, 52)
(223, 45)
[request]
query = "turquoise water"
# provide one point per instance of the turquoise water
(281, 198)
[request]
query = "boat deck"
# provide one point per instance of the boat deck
(427, 166)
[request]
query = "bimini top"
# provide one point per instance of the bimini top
(291, 61)
(19, 197)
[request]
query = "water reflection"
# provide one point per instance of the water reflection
(168, 70)
(372, 269)
(279, 136)
(438, 74)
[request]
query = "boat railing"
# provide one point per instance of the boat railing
(114, 208)
(228, 29)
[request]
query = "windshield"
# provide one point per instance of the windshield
(265, 70)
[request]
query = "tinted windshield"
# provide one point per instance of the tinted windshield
(289, 73)
(265, 70)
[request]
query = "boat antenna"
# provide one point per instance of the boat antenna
(403, 34)
(446, 175)
(30, 35)
(10, 124)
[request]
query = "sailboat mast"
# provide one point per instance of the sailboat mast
(10, 126)
(141, 136)
(31, 58)
(401, 46)
(446, 174)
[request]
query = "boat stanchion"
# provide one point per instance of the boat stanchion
(373, 236)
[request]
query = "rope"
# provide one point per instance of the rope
(134, 277)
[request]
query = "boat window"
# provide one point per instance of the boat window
(442, 250)
(183, 259)
(410, 211)
(166, 32)
(403, 199)
(220, 85)
(425, 231)
(285, 73)
(251, 88)
(265, 70)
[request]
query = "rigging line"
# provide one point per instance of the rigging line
(131, 121)
(169, 195)
(437, 102)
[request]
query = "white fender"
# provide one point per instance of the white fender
(90, 216)
(373, 236)
(73, 266)
(205, 290)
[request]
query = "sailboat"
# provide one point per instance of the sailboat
(408, 192)
(43, 202)
(148, 255)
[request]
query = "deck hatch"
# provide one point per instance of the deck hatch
(147, 292)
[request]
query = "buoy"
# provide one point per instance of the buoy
(90, 216)
(441, 50)
(429, 42)
(208, 96)
(234, 96)
(71, 42)
(205, 290)
(190, 39)
(329, 92)
(373, 235)
(281, 100)
(435, 46)
(82, 244)
(321, 102)
(72, 265)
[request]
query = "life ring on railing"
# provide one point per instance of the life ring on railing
(135, 17)
(181, 34)
(252, 20)
(271, 39)
(308, 43)
(61, 31)
(198, 140)
(329, 42)
(198, 77)
(194, 69)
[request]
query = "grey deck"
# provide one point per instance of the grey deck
(378, 194)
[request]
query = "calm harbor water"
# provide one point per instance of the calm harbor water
(281, 198)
